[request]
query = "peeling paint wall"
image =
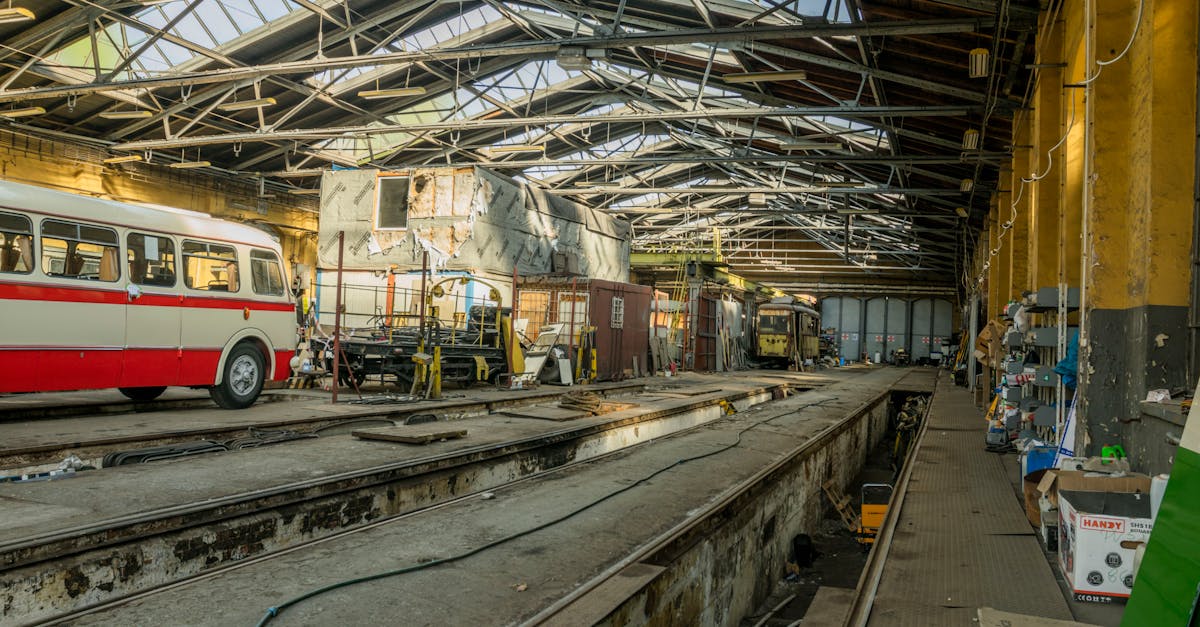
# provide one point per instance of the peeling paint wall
(469, 220)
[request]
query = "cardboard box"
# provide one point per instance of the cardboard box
(1101, 522)
(1031, 504)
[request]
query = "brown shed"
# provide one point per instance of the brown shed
(619, 311)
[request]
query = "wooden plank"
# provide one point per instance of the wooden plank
(545, 412)
(829, 607)
(598, 603)
(414, 434)
(991, 617)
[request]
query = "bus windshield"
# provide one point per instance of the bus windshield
(773, 323)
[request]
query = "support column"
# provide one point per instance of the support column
(1003, 258)
(1139, 221)
(1022, 193)
(1047, 161)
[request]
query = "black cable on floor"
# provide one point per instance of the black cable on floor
(274, 611)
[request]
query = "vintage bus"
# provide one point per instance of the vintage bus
(100, 294)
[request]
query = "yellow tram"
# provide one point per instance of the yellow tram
(787, 333)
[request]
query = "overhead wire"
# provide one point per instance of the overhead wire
(1007, 226)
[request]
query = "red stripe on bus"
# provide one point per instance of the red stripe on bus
(34, 292)
(30, 370)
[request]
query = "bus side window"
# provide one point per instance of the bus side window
(210, 267)
(80, 251)
(266, 276)
(151, 260)
(16, 244)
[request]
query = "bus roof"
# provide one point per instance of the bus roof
(162, 219)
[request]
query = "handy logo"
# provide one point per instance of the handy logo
(1102, 523)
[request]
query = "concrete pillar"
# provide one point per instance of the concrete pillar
(1139, 224)
(1048, 122)
(1022, 193)
(1003, 258)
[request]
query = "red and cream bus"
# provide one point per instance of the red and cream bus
(100, 294)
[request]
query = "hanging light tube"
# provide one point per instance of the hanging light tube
(11, 15)
(809, 146)
(765, 77)
(399, 92)
(22, 113)
(188, 165)
(125, 115)
(961, 211)
(123, 159)
(510, 148)
(966, 185)
(247, 104)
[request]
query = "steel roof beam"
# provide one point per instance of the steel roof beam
(522, 48)
(333, 132)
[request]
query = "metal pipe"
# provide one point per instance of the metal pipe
(571, 337)
(391, 297)
(973, 325)
(424, 271)
(337, 318)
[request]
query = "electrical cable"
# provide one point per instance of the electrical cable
(1050, 163)
(274, 611)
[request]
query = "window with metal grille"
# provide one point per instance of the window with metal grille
(618, 312)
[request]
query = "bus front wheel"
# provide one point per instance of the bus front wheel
(143, 394)
(242, 380)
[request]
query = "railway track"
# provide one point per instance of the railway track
(502, 557)
(42, 442)
(215, 532)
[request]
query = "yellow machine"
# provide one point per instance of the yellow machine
(872, 510)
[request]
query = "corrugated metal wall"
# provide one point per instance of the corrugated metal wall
(881, 325)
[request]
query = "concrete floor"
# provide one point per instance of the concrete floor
(499, 585)
(962, 540)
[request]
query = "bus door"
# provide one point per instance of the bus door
(152, 320)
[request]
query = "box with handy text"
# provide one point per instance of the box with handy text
(1101, 523)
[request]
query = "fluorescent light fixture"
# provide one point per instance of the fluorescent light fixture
(841, 184)
(961, 211)
(970, 139)
(125, 115)
(22, 113)
(977, 66)
(809, 146)
(765, 77)
(399, 92)
(11, 15)
(597, 184)
(188, 165)
(510, 148)
(123, 159)
(966, 185)
(247, 104)
(304, 192)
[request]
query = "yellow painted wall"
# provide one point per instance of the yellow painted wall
(1139, 177)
